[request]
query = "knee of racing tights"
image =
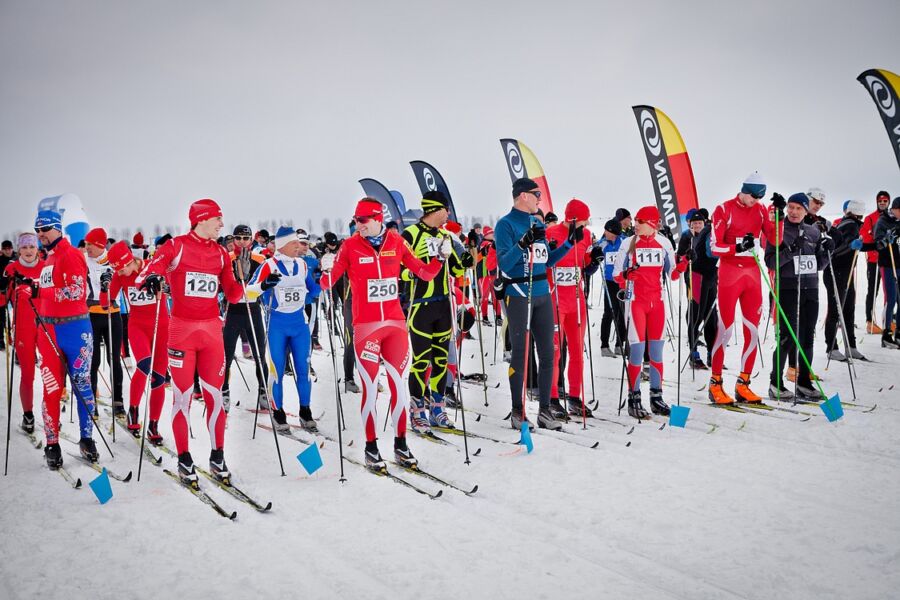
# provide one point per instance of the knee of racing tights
(143, 365)
(158, 379)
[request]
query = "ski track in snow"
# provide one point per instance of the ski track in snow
(779, 508)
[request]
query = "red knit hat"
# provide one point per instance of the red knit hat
(486, 231)
(138, 239)
(119, 255)
(96, 236)
(201, 210)
(648, 215)
(369, 207)
(577, 210)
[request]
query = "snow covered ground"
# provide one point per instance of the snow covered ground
(762, 507)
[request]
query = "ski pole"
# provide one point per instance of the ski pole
(843, 325)
(337, 389)
(11, 371)
(478, 317)
(148, 386)
(678, 383)
(590, 346)
(455, 331)
(258, 357)
(62, 359)
(527, 331)
(112, 362)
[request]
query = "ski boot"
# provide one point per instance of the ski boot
(306, 420)
(873, 328)
(403, 455)
(88, 449)
(618, 350)
(418, 416)
(350, 387)
(153, 434)
(226, 400)
(515, 419)
(486, 322)
(134, 424)
(28, 422)
(196, 395)
(658, 406)
(218, 467)
(374, 462)
(438, 416)
(316, 345)
(780, 394)
(742, 391)
(575, 408)
(186, 471)
(280, 420)
(837, 355)
(717, 394)
(546, 420)
(807, 392)
(557, 411)
(262, 398)
(53, 456)
(312, 372)
(118, 409)
(605, 352)
(888, 342)
(857, 355)
(635, 408)
(450, 398)
(697, 363)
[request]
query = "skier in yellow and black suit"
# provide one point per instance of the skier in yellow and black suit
(430, 318)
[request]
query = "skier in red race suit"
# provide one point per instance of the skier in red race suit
(372, 258)
(27, 266)
(142, 317)
(736, 225)
(195, 266)
(568, 292)
(640, 265)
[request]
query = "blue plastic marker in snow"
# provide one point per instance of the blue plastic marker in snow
(101, 487)
(678, 416)
(526, 437)
(310, 459)
(832, 408)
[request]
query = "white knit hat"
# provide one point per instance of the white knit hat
(856, 207)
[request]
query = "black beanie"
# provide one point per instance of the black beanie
(622, 213)
(613, 226)
(434, 200)
(896, 203)
(523, 185)
(242, 230)
(551, 218)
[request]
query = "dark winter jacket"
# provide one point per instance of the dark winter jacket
(887, 231)
(801, 247)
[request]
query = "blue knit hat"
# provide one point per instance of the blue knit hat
(801, 199)
(48, 218)
(285, 235)
(754, 185)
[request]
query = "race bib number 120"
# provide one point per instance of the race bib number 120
(200, 285)
(382, 290)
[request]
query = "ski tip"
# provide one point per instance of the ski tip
(628, 445)
(77, 485)
(630, 431)
(472, 491)
(477, 452)
(663, 426)
(596, 444)
(437, 494)
(127, 478)
(267, 507)
(232, 516)
(158, 461)
(478, 419)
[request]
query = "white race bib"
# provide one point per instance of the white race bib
(200, 285)
(433, 244)
(611, 258)
(290, 297)
(806, 265)
(566, 276)
(649, 257)
(382, 290)
(139, 297)
(47, 277)
(539, 253)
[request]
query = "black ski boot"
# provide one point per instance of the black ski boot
(28, 422)
(546, 420)
(306, 420)
(134, 421)
(515, 419)
(374, 461)
(118, 408)
(280, 419)
(450, 400)
(657, 405)
(403, 455)
(574, 404)
(556, 409)
(53, 455)
(186, 470)
(153, 434)
(218, 467)
(88, 449)
(635, 408)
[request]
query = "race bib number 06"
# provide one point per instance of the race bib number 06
(566, 276)
(382, 290)
(200, 285)
(139, 297)
(806, 264)
(649, 257)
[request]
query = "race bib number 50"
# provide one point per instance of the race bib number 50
(200, 285)
(806, 264)
(382, 290)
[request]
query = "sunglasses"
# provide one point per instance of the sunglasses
(243, 238)
(758, 196)
(363, 220)
(42, 229)
(537, 193)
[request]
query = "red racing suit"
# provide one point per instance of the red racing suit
(195, 268)
(26, 331)
(379, 325)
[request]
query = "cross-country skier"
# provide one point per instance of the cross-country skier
(702, 287)
(887, 240)
(609, 245)
(873, 273)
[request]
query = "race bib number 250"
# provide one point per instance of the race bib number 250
(382, 290)
(200, 285)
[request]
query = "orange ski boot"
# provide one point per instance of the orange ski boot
(742, 391)
(717, 394)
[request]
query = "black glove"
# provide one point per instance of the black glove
(467, 260)
(472, 238)
(31, 283)
(597, 254)
(778, 201)
(576, 233)
(105, 279)
(4, 283)
(627, 273)
(826, 243)
(531, 236)
(553, 244)
(270, 281)
(745, 244)
(691, 254)
(153, 283)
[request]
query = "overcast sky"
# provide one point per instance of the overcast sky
(276, 109)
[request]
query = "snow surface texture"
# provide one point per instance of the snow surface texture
(760, 508)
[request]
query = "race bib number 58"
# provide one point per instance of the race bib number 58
(382, 290)
(200, 285)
